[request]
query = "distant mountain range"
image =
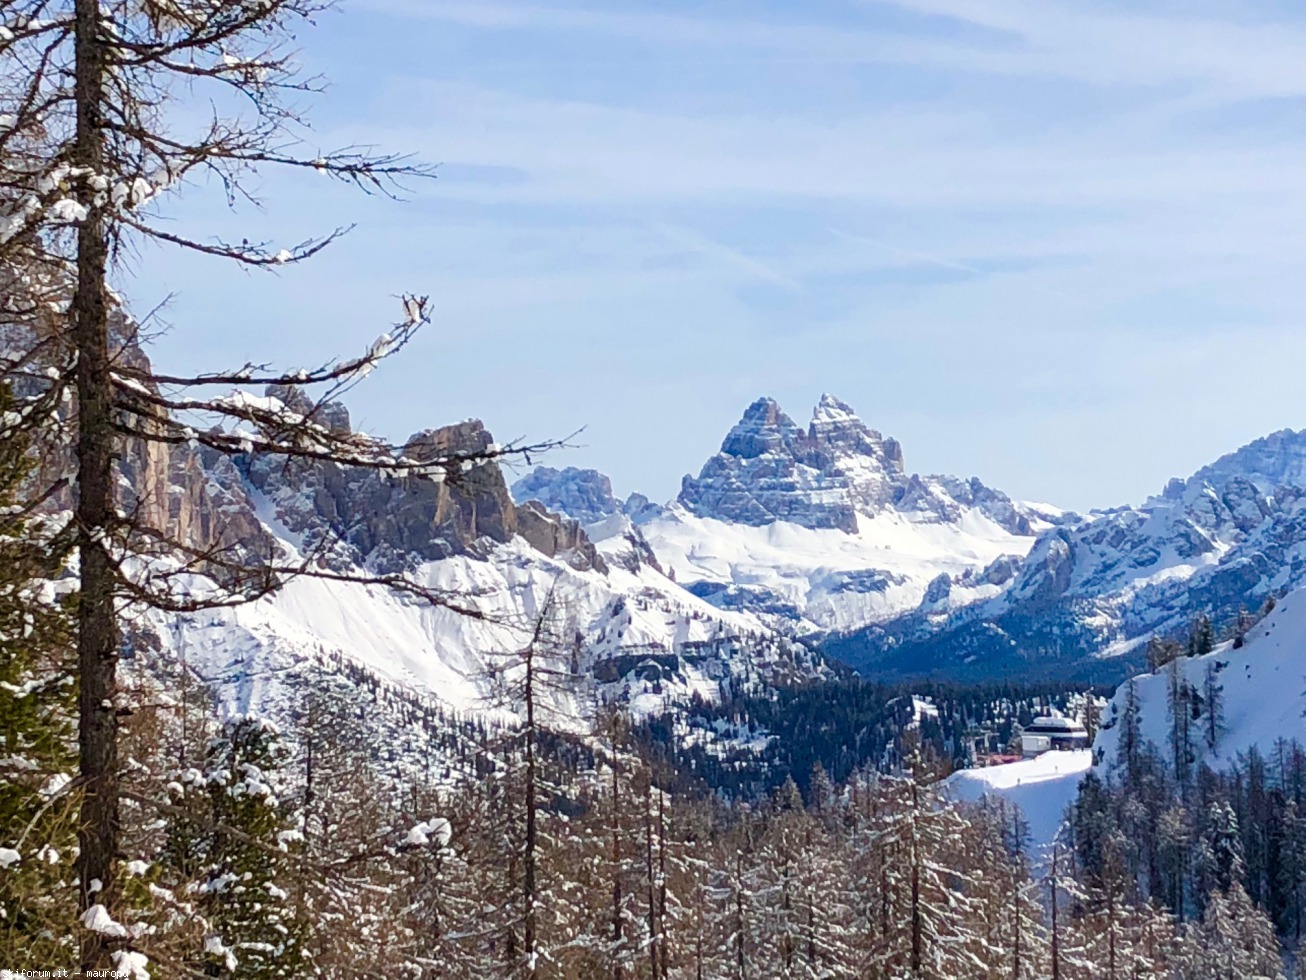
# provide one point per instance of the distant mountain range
(623, 631)
(794, 547)
(822, 533)
(817, 528)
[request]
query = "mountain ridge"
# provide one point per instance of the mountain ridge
(818, 527)
(1074, 594)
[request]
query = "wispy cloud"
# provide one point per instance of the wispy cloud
(733, 258)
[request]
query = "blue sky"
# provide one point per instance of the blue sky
(1058, 246)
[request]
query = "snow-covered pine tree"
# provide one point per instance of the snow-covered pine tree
(1012, 922)
(536, 682)
(1179, 697)
(1129, 746)
(1174, 840)
(828, 922)
(926, 930)
(1289, 884)
(1212, 706)
(1201, 638)
(1234, 941)
(690, 850)
(352, 872)
(236, 843)
(779, 921)
(1219, 859)
(38, 799)
(95, 130)
(459, 898)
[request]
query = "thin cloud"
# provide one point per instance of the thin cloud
(731, 257)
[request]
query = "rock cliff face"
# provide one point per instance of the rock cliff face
(584, 495)
(391, 523)
(769, 469)
(1276, 460)
(206, 500)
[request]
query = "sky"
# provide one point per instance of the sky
(1055, 245)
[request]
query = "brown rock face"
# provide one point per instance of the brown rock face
(390, 522)
(205, 500)
(552, 535)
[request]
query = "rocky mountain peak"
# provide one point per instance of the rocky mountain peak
(469, 436)
(770, 469)
(1273, 461)
(835, 431)
(763, 429)
(583, 495)
(333, 415)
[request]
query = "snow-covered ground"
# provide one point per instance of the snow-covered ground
(1262, 688)
(665, 644)
(1042, 787)
(1264, 695)
(834, 579)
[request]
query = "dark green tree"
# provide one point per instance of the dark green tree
(38, 742)
(236, 843)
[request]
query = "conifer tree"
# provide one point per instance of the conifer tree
(1129, 746)
(1179, 698)
(1201, 638)
(1212, 705)
(1235, 941)
(237, 844)
(37, 735)
(95, 133)
(929, 911)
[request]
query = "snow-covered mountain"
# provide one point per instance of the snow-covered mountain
(622, 630)
(1093, 590)
(816, 532)
(903, 575)
(819, 527)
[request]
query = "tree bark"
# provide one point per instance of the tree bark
(532, 899)
(97, 632)
(1056, 934)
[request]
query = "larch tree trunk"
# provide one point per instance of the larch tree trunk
(97, 633)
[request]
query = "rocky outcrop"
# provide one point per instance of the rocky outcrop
(554, 535)
(390, 522)
(765, 472)
(1276, 460)
(584, 495)
(770, 469)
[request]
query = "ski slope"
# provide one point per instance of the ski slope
(1042, 787)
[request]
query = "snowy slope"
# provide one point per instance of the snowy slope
(1263, 686)
(620, 630)
(1041, 787)
(637, 638)
(826, 578)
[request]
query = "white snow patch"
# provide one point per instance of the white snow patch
(1042, 787)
